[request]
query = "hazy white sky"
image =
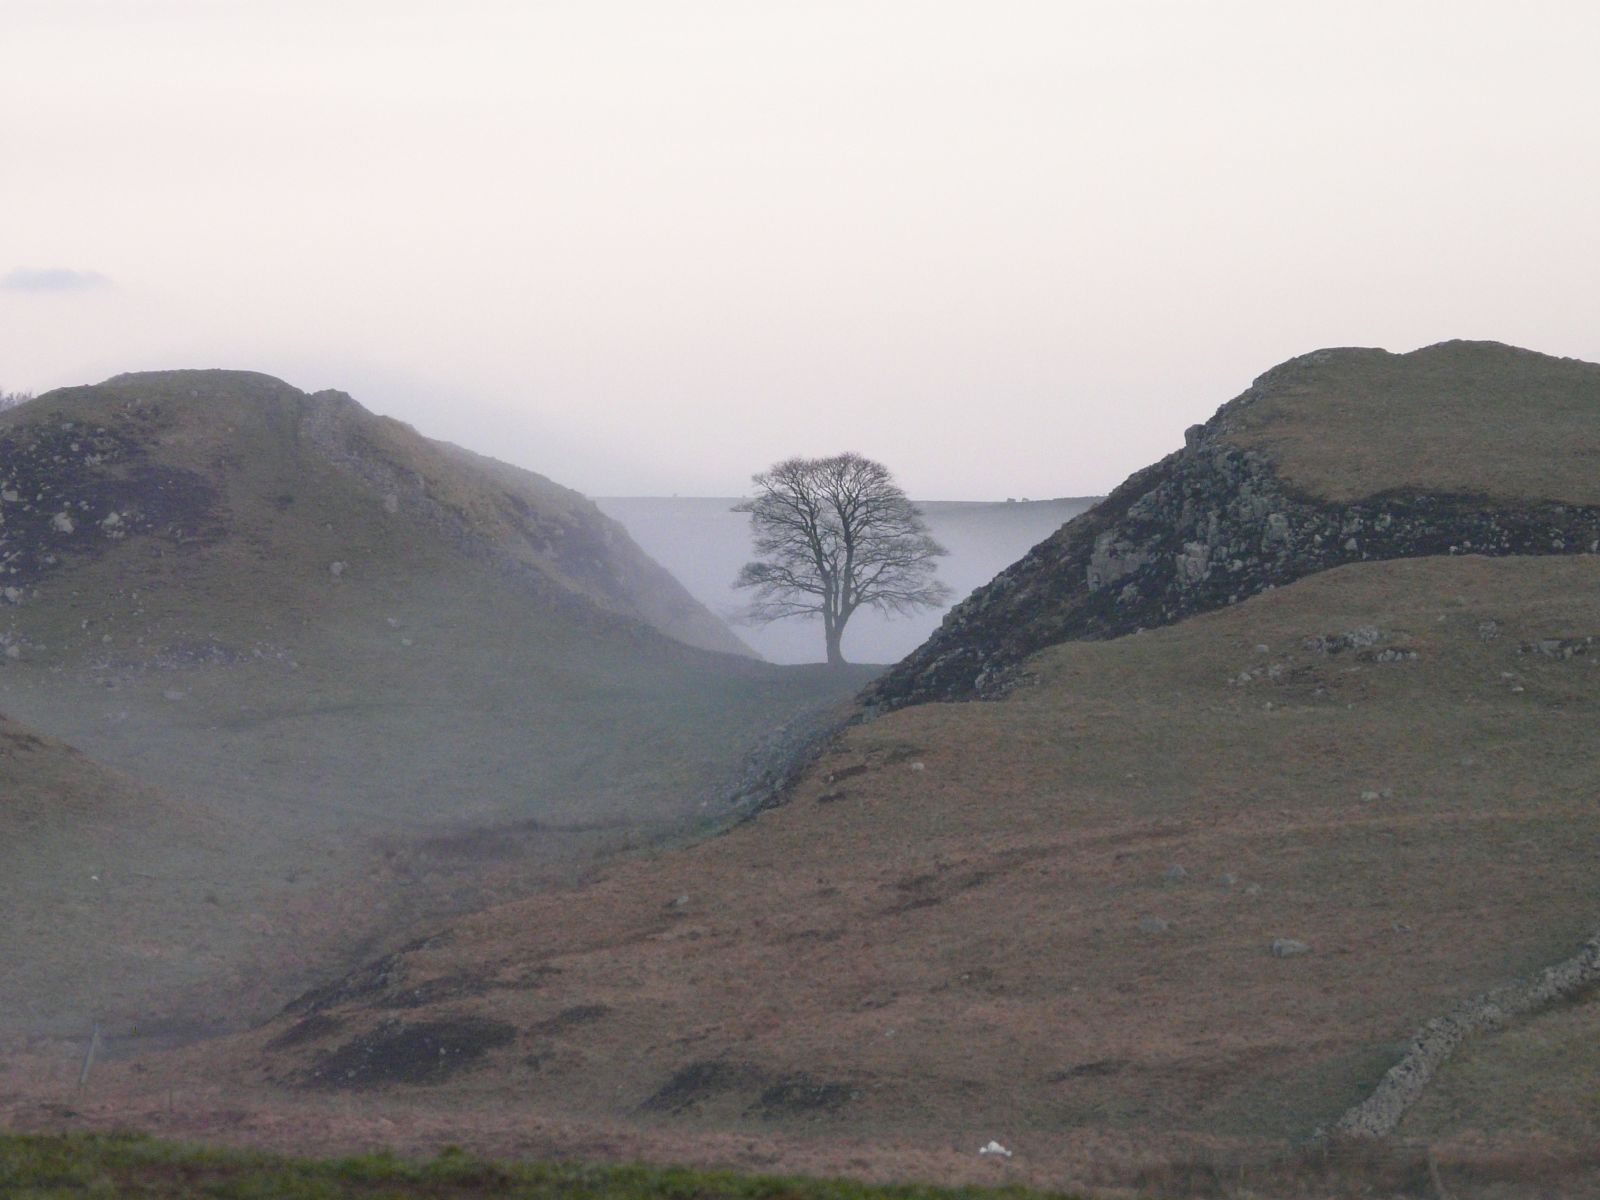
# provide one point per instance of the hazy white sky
(650, 246)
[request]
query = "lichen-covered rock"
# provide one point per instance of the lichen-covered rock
(59, 474)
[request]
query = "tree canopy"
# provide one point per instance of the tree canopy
(836, 535)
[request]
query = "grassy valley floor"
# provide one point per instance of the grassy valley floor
(1048, 921)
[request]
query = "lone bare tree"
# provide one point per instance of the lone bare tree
(836, 535)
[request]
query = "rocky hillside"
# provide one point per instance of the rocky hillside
(402, 680)
(1336, 457)
(190, 459)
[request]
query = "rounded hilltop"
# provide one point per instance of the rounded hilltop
(1335, 457)
(1460, 417)
(241, 465)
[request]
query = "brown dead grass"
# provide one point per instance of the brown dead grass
(944, 924)
(1476, 418)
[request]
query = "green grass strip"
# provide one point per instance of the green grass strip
(113, 1166)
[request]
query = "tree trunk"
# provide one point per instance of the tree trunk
(831, 635)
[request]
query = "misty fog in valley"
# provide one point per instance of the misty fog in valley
(704, 543)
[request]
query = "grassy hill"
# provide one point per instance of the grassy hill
(355, 650)
(1336, 457)
(1048, 921)
(1477, 418)
(1176, 899)
(981, 881)
(286, 484)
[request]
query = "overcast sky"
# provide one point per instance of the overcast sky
(650, 246)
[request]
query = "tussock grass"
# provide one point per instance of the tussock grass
(138, 1167)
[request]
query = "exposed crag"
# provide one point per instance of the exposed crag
(1222, 519)
(68, 488)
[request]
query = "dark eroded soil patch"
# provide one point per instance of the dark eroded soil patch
(770, 1098)
(396, 1052)
(701, 1081)
(571, 1018)
(308, 1029)
(801, 1096)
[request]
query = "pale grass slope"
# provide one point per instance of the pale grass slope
(71, 827)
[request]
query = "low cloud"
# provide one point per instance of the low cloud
(52, 279)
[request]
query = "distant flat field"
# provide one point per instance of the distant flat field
(704, 543)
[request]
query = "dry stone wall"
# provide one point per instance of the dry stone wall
(1403, 1084)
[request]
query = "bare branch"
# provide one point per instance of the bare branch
(836, 535)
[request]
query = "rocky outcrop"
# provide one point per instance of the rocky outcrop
(75, 489)
(1207, 526)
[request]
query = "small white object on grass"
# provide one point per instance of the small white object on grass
(995, 1148)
